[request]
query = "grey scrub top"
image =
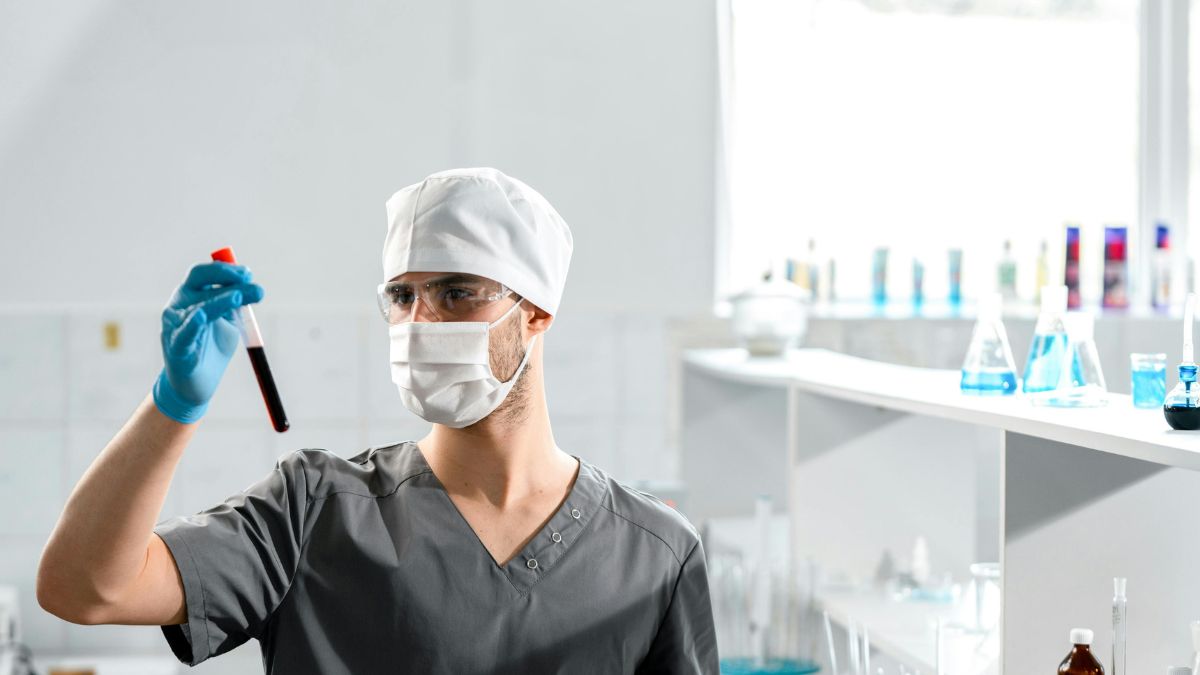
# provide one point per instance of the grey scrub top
(364, 565)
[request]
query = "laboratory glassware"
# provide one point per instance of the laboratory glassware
(1006, 273)
(1081, 660)
(879, 275)
(985, 578)
(1071, 267)
(1161, 294)
(918, 282)
(956, 259)
(1119, 616)
(1148, 375)
(988, 369)
(252, 338)
(1115, 267)
(1048, 352)
(1082, 381)
(1182, 405)
(1043, 270)
(770, 318)
(1195, 629)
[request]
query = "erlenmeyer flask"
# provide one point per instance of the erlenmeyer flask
(988, 369)
(1082, 384)
(1047, 352)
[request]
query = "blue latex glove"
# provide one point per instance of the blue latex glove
(199, 336)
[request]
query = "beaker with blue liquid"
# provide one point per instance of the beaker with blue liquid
(1149, 379)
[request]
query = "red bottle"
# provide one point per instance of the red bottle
(1081, 661)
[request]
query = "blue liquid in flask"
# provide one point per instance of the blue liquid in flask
(1046, 356)
(989, 382)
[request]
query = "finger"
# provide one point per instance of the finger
(223, 304)
(206, 274)
(251, 292)
(184, 339)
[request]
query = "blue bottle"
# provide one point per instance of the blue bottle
(1048, 353)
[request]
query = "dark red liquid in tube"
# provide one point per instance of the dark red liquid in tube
(266, 382)
(258, 357)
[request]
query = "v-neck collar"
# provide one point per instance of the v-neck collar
(540, 553)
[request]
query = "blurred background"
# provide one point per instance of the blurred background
(694, 147)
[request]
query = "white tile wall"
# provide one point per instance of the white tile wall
(107, 384)
(64, 394)
(315, 360)
(33, 383)
(31, 490)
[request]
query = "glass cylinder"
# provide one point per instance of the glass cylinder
(1149, 379)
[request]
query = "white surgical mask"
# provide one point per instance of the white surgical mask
(443, 371)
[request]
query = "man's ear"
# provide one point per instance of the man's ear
(538, 321)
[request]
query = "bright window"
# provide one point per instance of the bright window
(863, 123)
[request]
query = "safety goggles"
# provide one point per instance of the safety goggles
(448, 297)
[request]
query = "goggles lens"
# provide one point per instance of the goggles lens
(452, 297)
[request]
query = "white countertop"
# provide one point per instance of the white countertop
(1117, 428)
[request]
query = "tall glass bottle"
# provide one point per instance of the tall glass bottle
(1119, 617)
(988, 369)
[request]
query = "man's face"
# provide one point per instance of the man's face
(440, 296)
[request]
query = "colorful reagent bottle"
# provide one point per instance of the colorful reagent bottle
(988, 369)
(1081, 660)
(252, 338)
(1182, 405)
(1047, 353)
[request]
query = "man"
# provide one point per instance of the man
(481, 548)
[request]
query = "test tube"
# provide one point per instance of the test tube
(252, 338)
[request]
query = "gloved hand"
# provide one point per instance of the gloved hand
(199, 336)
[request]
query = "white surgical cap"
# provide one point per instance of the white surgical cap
(482, 222)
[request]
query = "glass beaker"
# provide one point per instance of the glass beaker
(1148, 373)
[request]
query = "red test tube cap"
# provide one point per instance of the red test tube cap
(224, 255)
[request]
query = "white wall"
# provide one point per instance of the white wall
(135, 137)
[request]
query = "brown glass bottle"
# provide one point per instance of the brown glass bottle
(1081, 661)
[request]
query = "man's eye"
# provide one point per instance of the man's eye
(402, 297)
(458, 294)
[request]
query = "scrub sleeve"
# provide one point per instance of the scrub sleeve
(686, 641)
(237, 561)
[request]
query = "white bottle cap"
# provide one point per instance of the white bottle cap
(1119, 584)
(1179, 670)
(1195, 625)
(1082, 636)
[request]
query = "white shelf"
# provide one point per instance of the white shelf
(904, 631)
(1117, 428)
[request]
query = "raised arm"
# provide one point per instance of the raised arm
(103, 563)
